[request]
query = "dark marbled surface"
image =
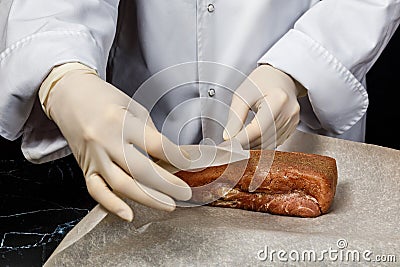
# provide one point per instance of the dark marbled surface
(39, 204)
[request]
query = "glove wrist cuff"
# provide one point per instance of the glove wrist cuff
(54, 76)
(299, 89)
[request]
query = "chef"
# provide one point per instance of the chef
(205, 70)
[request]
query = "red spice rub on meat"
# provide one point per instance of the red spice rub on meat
(296, 184)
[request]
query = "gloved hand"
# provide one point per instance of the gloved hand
(272, 94)
(101, 125)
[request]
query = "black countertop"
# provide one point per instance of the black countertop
(39, 204)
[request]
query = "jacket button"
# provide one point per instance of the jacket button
(210, 8)
(211, 92)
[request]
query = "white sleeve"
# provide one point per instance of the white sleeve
(37, 35)
(330, 50)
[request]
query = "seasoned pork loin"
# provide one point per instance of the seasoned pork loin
(295, 184)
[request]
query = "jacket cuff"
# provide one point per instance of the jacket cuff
(25, 64)
(338, 99)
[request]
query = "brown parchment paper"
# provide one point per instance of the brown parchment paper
(362, 227)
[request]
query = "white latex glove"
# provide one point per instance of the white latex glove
(272, 94)
(102, 125)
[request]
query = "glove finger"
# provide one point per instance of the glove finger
(288, 127)
(238, 113)
(152, 175)
(139, 111)
(272, 141)
(153, 142)
(123, 184)
(281, 136)
(263, 122)
(291, 115)
(288, 132)
(253, 144)
(150, 123)
(269, 135)
(283, 120)
(250, 91)
(100, 192)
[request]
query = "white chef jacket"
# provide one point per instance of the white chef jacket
(183, 58)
